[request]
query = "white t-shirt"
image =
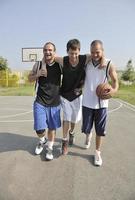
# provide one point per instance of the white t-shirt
(94, 76)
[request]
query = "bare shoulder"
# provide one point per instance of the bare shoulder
(34, 69)
(112, 68)
(59, 60)
(88, 58)
(112, 71)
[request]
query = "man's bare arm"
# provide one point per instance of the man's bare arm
(59, 60)
(88, 58)
(32, 76)
(114, 79)
(114, 83)
(35, 74)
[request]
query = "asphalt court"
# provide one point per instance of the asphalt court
(69, 177)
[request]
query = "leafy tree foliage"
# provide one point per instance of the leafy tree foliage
(3, 63)
(129, 73)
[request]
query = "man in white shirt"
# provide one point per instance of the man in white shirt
(95, 109)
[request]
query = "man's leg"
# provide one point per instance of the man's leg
(42, 141)
(76, 116)
(54, 122)
(51, 138)
(71, 134)
(88, 140)
(65, 129)
(100, 127)
(65, 139)
(98, 142)
(39, 126)
(72, 127)
(87, 124)
(98, 159)
(70, 114)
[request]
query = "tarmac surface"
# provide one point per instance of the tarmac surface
(25, 176)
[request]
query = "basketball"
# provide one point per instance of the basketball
(102, 89)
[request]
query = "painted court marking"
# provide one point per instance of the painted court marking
(31, 120)
(128, 105)
(115, 109)
(14, 115)
(120, 102)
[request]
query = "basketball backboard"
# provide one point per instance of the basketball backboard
(32, 54)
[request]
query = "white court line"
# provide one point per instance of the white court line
(129, 108)
(128, 105)
(14, 121)
(110, 111)
(19, 114)
(115, 109)
(3, 108)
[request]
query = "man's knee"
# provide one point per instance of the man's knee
(40, 133)
(101, 133)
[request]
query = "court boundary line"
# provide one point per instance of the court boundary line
(121, 103)
(19, 114)
(31, 120)
(115, 109)
(14, 121)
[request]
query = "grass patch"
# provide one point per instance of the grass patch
(17, 91)
(125, 92)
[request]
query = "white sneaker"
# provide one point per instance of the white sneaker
(40, 147)
(88, 141)
(97, 158)
(49, 154)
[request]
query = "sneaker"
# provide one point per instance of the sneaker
(88, 141)
(71, 138)
(64, 147)
(49, 154)
(40, 146)
(98, 159)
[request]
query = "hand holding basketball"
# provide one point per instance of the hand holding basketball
(104, 91)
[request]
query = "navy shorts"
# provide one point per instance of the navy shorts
(96, 116)
(46, 117)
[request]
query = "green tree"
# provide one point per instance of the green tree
(3, 63)
(129, 73)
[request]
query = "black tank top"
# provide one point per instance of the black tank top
(48, 92)
(73, 77)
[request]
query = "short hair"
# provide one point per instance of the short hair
(51, 44)
(73, 44)
(95, 42)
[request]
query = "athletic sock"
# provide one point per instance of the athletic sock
(42, 139)
(50, 144)
(71, 132)
(65, 139)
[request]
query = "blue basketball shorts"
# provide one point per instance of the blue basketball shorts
(46, 117)
(96, 116)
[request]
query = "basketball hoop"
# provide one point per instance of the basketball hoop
(32, 54)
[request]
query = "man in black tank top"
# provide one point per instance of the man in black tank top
(46, 108)
(73, 67)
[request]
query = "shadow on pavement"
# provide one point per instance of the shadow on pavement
(14, 142)
(56, 150)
